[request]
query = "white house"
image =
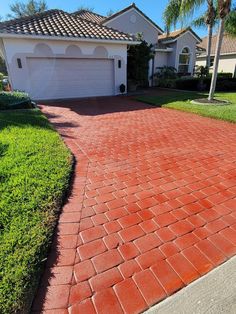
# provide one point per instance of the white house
(227, 57)
(55, 54)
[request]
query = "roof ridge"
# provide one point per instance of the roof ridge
(29, 17)
(118, 12)
(104, 26)
(88, 11)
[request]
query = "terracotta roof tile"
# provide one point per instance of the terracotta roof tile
(60, 24)
(90, 16)
(176, 34)
(228, 45)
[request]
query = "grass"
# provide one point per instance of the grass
(180, 100)
(35, 168)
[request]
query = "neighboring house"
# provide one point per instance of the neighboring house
(60, 55)
(227, 56)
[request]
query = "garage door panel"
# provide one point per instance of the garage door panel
(70, 78)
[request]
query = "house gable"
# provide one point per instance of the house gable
(131, 20)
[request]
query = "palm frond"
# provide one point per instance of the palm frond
(171, 14)
(230, 23)
(189, 6)
(199, 22)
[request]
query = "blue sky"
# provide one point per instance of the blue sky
(152, 8)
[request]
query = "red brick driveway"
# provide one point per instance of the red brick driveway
(152, 208)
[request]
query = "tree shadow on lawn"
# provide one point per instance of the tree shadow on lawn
(30, 117)
(159, 97)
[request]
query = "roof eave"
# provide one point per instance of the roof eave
(222, 54)
(57, 38)
(164, 50)
(166, 41)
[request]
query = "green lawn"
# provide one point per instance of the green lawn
(35, 168)
(181, 101)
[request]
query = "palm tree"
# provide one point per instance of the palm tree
(210, 18)
(224, 7)
(177, 10)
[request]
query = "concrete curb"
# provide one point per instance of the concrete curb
(215, 293)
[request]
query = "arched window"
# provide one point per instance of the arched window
(184, 60)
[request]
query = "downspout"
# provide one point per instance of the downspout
(153, 60)
(2, 44)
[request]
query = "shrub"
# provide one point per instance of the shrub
(200, 84)
(1, 76)
(165, 83)
(187, 84)
(225, 75)
(14, 100)
(201, 71)
(138, 62)
(226, 85)
(166, 72)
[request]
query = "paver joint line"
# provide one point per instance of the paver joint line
(154, 189)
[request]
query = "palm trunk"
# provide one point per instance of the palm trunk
(217, 58)
(209, 40)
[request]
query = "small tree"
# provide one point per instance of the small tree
(85, 8)
(3, 68)
(138, 62)
(21, 9)
(110, 12)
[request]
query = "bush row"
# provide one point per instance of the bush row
(14, 100)
(198, 84)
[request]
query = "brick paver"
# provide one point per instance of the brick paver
(152, 206)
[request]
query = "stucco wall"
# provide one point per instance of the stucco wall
(226, 64)
(133, 22)
(186, 40)
(160, 59)
(23, 48)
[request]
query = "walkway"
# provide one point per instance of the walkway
(152, 208)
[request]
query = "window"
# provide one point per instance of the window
(184, 60)
(212, 61)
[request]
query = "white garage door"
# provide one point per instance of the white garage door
(70, 78)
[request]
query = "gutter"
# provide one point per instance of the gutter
(60, 38)
(164, 50)
(212, 55)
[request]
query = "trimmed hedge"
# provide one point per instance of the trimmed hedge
(35, 168)
(198, 84)
(14, 100)
(226, 75)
